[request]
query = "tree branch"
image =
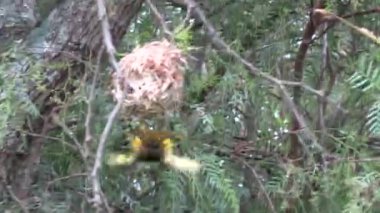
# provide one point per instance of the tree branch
(168, 34)
(261, 186)
(21, 203)
(221, 45)
(98, 199)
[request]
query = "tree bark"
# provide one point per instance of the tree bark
(17, 19)
(71, 33)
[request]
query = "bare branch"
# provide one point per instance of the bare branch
(69, 133)
(160, 18)
(71, 146)
(318, 93)
(16, 199)
(64, 178)
(222, 45)
(98, 198)
(321, 110)
(355, 14)
(261, 186)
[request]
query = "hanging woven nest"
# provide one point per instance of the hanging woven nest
(152, 78)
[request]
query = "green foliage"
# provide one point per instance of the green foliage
(211, 191)
(366, 79)
(220, 186)
(363, 192)
(201, 84)
(240, 118)
(367, 75)
(183, 37)
(373, 117)
(14, 100)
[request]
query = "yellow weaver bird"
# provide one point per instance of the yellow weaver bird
(154, 146)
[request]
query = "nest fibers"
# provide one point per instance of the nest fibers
(152, 78)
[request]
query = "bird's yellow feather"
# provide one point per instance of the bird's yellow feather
(120, 159)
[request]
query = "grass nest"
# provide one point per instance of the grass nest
(152, 78)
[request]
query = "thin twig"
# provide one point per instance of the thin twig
(51, 138)
(64, 178)
(16, 199)
(326, 16)
(261, 185)
(321, 108)
(354, 14)
(306, 136)
(221, 44)
(99, 155)
(161, 19)
(98, 198)
(69, 133)
(318, 93)
(188, 16)
(374, 159)
(186, 21)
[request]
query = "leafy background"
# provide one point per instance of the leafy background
(240, 131)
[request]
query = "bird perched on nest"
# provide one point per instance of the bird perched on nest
(154, 146)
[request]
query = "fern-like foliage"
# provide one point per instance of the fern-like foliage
(14, 98)
(200, 85)
(361, 196)
(373, 119)
(367, 79)
(172, 196)
(367, 75)
(210, 191)
(219, 185)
